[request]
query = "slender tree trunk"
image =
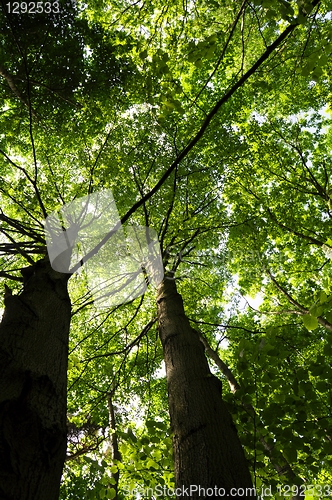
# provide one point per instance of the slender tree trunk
(33, 379)
(116, 455)
(207, 450)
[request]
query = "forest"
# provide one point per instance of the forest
(165, 249)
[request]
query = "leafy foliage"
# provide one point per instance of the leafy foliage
(107, 95)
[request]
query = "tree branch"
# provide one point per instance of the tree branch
(302, 309)
(226, 97)
(9, 79)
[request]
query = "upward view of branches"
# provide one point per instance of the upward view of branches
(209, 123)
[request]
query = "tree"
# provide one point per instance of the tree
(34, 347)
(134, 134)
(207, 451)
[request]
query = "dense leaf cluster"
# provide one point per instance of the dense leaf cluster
(107, 95)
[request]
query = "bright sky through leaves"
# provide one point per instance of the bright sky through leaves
(122, 268)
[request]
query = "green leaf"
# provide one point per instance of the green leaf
(143, 55)
(316, 310)
(310, 322)
(323, 297)
(321, 386)
(327, 349)
(199, 63)
(291, 455)
(151, 464)
(111, 493)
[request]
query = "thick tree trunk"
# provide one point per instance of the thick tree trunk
(207, 450)
(33, 379)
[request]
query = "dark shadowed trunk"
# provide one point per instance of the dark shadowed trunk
(33, 378)
(207, 450)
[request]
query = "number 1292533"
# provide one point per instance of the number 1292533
(33, 7)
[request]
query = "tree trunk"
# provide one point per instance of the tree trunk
(207, 450)
(33, 383)
(116, 455)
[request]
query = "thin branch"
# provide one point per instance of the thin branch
(169, 212)
(7, 76)
(101, 149)
(5, 274)
(33, 182)
(40, 84)
(21, 228)
(222, 55)
(302, 309)
(19, 248)
(312, 240)
(195, 139)
(128, 347)
(289, 297)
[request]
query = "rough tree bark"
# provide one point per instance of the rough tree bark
(33, 378)
(207, 450)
